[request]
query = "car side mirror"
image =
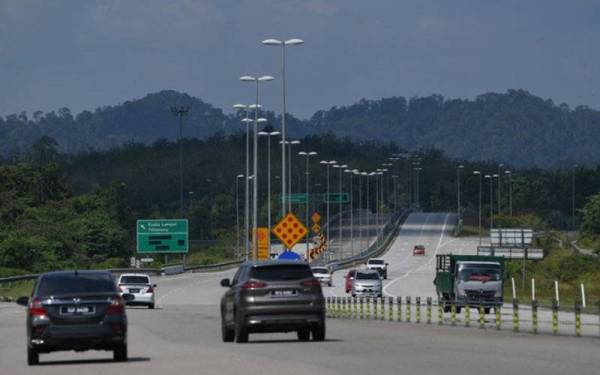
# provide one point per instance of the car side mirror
(225, 283)
(23, 301)
(128, 297)
(154, 285)
(387, 264)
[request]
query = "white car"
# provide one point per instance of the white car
(367, 283)
(323, 274)
(140, 286)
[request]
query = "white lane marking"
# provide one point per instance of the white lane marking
(419, 268)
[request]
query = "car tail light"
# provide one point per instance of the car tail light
(36, 309)
(121, 289)
(116, 306)
(311, 283)
(149, 290)
(254, 285)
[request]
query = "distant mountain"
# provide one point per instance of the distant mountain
(515, 127)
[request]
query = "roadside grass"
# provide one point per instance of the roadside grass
(472, 231)
(16, 289)
(590, 242)
(562, 265)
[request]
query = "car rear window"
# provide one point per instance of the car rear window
(76, 283)
(134, 280)
(376, 261)
(367, 276)
(320, 270)
(281, 272)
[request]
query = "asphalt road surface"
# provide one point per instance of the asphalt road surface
(183, 336)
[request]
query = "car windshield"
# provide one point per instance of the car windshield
(57, 285)
(281, 272)
(320, 270)
(479, 274)
(367, 276)
(376, 261)
(134, 280)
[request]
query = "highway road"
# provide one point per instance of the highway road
(183, 334)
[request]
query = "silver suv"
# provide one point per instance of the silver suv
(272, 296)
(367, 283)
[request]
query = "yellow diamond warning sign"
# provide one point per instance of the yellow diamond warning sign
(290, 230)
(316, 228)
(316, 217)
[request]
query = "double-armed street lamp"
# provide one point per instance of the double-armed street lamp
(269, 135)
(458, 190)
(180, 112)
(307, 155)
(237, 212)
(327, 164)
(283, 44)
(350, 173)
(341, 168)
(257, 120)
(478, 173)
(246, 120)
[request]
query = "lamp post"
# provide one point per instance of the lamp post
(246, 120)
(351, 172)
(327, 164)
(289, 172)
(490, 177)
(360, 210)
(307, 154)
(499, 175)
(180, 112)
(395, 183)
(283, 44)
(510, 204)
(268, 135)
(341, 169)
(458, 189)
(237, 212)
(255, 80)
(478, 173)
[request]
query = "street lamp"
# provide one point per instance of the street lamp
(341, 169)
(395, 183)
(268, 135)
(283, 44)
(351, 172)
(478, 173)
(510, 204)
(180, 111)
(327, 164)
(307, 154)
(575, 166)
(458, 190)
(255, 80)
(237, 212)
(491, 178)
(289, 172)
(499, 175)
(246, 120)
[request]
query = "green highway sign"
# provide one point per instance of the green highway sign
(296, 198)
(336, 198)
(162, 236)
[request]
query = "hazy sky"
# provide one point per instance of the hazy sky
(84, 54)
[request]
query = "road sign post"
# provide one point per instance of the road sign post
(262, 235)
(168, 236)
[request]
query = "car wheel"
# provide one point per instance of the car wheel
(446, 308)
(318, 332)
(330, 284)
(241, 332)
(487, 310)
(458, 308)
(120, 353)
(304, 334)
(353, 295)
(227, 334)
(33, 357)
(151, 306)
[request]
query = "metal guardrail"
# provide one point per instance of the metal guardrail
(214, 267)
(378, 247)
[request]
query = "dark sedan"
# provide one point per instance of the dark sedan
(76, 310)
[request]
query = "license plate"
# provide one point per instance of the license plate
(284, 293)
(77, 310)
(134, 290)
